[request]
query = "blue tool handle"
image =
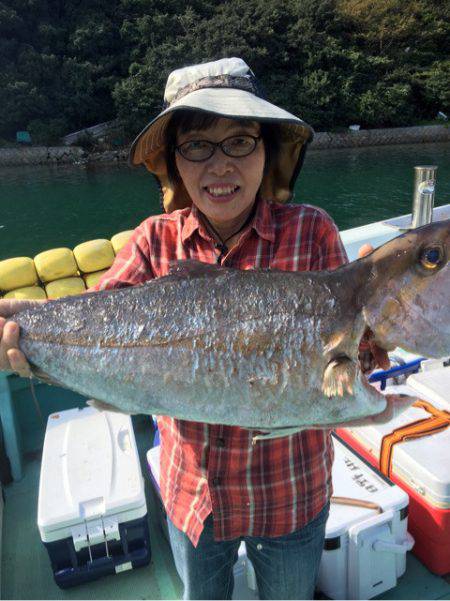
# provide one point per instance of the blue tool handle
(411, 367)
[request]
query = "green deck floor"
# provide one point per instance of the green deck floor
(26, 572)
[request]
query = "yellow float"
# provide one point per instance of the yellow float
(55, 264)
(119, 240)
(28, 292)
(17, 273)
(92, 279)
(56, 272)
(94, 255)
(65, 287)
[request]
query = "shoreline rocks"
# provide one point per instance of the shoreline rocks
(419, 134)
(56, 155)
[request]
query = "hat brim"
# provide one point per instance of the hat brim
(149, 146)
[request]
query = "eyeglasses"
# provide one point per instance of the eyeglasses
(202, 150)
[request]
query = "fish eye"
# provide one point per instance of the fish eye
(431, 257)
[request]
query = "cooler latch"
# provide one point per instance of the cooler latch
(95, 532)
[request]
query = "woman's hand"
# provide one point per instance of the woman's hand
(370, 354)
(11, 358)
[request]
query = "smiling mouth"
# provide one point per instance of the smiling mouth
(221, 191)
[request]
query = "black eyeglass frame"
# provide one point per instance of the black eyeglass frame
(215, 145)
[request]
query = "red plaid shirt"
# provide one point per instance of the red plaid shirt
(273, 487)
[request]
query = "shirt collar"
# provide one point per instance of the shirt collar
(262, 223)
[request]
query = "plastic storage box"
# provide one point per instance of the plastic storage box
(92, 512)
(420, 465)
(366, 537)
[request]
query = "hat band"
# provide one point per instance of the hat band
(246, 83)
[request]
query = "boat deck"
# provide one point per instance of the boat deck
(26, 572)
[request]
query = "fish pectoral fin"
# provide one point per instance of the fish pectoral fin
(278, 433)
(102, 406)
(339, 376)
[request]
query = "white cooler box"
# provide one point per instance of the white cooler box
(365, 547)
(364, 550)
(244, 574)
(92, 512)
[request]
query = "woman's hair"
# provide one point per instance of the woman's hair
(186, 120)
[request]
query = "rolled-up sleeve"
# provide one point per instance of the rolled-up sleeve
(331, 253)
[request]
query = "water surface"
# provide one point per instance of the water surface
(44, 207)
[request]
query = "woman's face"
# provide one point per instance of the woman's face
(222, 187)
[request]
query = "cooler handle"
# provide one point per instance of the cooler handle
(400, 548)
(124, 440)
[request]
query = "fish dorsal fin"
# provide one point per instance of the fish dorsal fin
(196, 269)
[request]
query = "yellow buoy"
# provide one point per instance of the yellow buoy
(29, 293)
(55, 264)
(119, 240)
(94, 255)
(17, 273)
(65, 287)
(92, 279)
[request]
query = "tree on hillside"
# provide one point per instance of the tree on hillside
(294, 49)
(413, 37)
(68, 64)
(59, 62)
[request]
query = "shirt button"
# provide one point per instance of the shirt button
(216, 481)
(221, 442)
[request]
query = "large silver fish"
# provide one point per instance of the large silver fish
(265, 350)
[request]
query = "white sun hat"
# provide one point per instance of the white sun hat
(226, 88)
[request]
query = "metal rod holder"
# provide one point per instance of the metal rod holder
(423, 197)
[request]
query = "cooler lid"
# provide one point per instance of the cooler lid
(90, 468)
(435, 384)
(422, 462)
(354, 478)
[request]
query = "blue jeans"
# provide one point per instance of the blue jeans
(286, 567)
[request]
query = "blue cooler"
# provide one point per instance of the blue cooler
(92, 511)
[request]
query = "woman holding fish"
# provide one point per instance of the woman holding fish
(227, 161)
